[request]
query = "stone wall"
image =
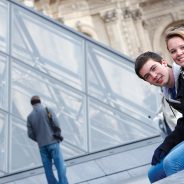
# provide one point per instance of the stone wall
(129, 26)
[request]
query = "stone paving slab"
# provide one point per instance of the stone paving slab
(177, 178)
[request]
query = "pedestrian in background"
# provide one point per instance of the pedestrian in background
(39, 130)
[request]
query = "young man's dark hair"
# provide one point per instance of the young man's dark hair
(143, 58)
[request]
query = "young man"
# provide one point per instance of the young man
(39, 130)
(152, 68)
(168, 158)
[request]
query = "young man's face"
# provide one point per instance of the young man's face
(155, 73)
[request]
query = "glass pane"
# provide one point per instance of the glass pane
(3, 82)
(68, 104)
(109, 128)
(71, 151)
(48, 48)
(23, 152)
(3, 143)
(112, 80)
(49, 61)
(4, 31)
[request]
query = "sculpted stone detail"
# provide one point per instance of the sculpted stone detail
(134, 14)
(86, 29)
(158, 4)
(73, 7)
(127, 13)
(110, 16)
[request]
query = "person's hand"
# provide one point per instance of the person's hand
(158, 155)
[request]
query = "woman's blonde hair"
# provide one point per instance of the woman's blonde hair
(173, 32)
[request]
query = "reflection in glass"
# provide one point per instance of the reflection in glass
(3, 82)
(4, 31)
(112, 79)
(47, 48)
(97, 97)
(68, 105)
(24, 153)
(3, 143)
(109, 128)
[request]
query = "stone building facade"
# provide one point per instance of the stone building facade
(129, 26)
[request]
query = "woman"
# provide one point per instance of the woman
(175, 44)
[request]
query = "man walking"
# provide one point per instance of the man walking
(39, 130)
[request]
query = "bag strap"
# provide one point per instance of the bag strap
(49, 115)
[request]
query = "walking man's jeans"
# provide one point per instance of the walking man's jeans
(172, 163)
(51, 153)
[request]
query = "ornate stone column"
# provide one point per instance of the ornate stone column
(112, 21)
(133, 31)
(141, 33)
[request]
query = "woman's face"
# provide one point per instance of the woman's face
(175, 46)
